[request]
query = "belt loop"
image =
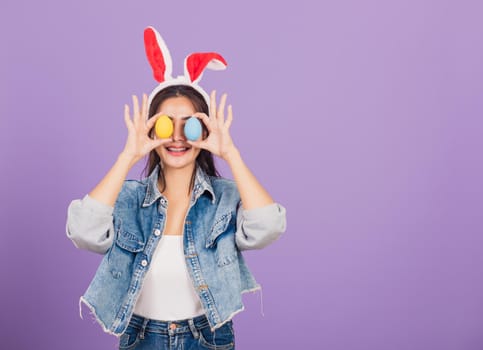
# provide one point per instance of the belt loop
(143, 328)
(193, 329)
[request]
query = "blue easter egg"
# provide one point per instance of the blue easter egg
(192, 129)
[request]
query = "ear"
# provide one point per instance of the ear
(158, 55)
(195, 64)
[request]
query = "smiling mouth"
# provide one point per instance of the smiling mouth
(177, 149)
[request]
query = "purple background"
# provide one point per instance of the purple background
(363, 118)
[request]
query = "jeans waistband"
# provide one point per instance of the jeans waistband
(179, 326)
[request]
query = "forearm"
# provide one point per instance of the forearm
(107, 190)
(252, 193)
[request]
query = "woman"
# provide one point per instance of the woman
(172, 275)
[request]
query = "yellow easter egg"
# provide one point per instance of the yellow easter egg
(163, 127)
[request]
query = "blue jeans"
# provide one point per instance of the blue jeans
(190, 334)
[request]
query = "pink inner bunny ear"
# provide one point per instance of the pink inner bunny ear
(158, 54)
(196, 63)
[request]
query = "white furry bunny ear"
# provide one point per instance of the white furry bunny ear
(158, 55)
(196, 63)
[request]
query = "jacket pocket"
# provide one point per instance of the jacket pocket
(123, 253)
(129, 241)
(220, 226)
(222, 240)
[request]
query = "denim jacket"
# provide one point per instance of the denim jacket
(216, 229)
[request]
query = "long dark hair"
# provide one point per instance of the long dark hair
(205, 159)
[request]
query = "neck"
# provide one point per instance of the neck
(177, 182)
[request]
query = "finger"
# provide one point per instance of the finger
(213, 103)
(144, 109)
(158, 142)
(220, 115)
(135, 106)
(229, 118)
(197, 144)
(151, 121)
(205, 119)
(127, 119)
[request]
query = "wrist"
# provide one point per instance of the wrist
(231, 154)
(127, 159)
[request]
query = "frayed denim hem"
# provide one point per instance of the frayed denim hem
(93, 313)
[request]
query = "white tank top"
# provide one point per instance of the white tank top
(167, 293)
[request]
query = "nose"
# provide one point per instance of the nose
(178, 130)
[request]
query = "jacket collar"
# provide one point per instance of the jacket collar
(202, 184)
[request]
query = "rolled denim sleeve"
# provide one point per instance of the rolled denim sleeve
(90, 225)
(257, 228)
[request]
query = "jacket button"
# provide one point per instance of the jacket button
(157, 232)
(144, 263)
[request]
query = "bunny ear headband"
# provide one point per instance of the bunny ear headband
(194, 65)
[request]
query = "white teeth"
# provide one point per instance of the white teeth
(176, 149)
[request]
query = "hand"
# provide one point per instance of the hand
(138, 143)
(219, 141)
